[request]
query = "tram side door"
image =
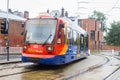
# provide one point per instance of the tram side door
(82, 45)
(84, 42)
(78, 45)
(86, 45)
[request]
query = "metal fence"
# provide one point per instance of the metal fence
(12, 50)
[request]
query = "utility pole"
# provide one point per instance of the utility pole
(7, 35)
(5, 30)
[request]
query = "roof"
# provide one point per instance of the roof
(11, 16)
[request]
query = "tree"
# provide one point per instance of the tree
(113, 36)
(100, 17)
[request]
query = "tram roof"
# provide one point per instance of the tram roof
(74, 26)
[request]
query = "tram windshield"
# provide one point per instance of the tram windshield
(41, 31)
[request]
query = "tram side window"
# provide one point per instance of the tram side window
(77, 38)
(65, 35)
(82, 40)
(87, 41)
(70, 35)
(74, 38)
(59, 38)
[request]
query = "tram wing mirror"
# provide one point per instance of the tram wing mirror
(62, 25)
(59, 34)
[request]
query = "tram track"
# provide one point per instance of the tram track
(15, 66)
(106, 60)
(11, 66)
(107, 77)
(28, 69)
(15, 73)
(10, 62)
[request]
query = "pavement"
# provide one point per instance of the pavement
(14, 58)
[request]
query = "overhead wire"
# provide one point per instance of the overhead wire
(113, 6)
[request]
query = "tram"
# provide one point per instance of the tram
(53, 41)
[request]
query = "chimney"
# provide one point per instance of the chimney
(26, 14)
(66, 14)
(62, 12)
(47, 10)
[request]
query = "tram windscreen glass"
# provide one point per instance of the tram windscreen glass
(38, 31)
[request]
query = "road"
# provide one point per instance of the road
(101, 66)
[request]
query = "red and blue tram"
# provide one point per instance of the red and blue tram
(53, 41)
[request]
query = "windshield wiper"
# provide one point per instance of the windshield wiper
(47, 39)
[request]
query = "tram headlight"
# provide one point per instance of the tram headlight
(50, 48)
(24, 47)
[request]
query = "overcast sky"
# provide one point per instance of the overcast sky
(86, 7)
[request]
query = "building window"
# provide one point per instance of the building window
(22, 25)
(98, 35)
(94, 45)
(92, 35)
(80, 22)
(100, 26)
(95, 25)
(87, 26)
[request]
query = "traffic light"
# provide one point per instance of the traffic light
(3, 27)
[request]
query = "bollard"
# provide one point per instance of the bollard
(88, 51)
(118, 53)
(112, 51)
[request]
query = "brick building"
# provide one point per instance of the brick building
(95, 33)
(16, 29)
